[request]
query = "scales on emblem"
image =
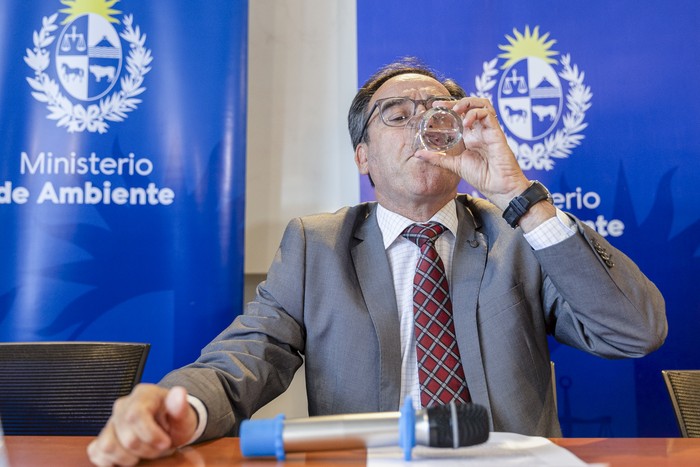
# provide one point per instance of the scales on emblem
(72, 40)
(514, 81)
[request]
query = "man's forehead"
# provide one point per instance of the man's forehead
(409, 84)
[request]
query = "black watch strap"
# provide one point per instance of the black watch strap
(519, 205)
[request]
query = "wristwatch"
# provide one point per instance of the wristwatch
(519, 205)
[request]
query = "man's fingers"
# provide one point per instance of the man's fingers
(142, 444)
(133, 432)
(106, 450)
(471, 103)
(482, 114)
(135, 422)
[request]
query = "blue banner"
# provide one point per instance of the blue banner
(122, 172)
(599, 101)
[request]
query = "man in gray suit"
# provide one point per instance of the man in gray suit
(339, 293)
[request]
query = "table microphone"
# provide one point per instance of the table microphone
(453, 425)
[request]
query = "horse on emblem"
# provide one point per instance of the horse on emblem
(72, 73)
(515, 114)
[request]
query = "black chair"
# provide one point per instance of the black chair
(65, 388)
(684, 388)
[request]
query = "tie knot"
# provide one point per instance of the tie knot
(422, 233)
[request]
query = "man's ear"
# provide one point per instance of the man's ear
(361, 158)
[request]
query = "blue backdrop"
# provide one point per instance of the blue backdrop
(122, 171)
(600, 102)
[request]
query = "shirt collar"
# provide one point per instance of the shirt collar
(392, 224)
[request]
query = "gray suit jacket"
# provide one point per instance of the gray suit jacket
(329, 298)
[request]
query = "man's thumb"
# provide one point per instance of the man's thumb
(176, 404)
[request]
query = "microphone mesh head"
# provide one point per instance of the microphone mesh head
(472, 425)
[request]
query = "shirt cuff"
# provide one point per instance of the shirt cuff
(550, 232)
(201, 410)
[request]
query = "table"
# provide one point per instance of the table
(31, 451)
(635, 452)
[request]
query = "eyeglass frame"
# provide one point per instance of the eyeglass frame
(427, 103)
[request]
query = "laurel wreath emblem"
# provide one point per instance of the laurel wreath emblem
(113, 108)
(541, 156)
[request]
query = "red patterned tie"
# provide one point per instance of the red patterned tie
(440, 370)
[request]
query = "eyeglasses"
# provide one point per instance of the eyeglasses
(397, 111)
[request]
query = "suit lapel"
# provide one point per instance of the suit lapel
(468, 264)
(374, 275)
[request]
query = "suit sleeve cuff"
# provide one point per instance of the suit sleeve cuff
(552, 231)
(201, 410)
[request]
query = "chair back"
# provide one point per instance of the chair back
(65, 388)
(684, 389)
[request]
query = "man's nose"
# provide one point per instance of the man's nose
(421, 107)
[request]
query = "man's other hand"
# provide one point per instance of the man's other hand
(148, 423)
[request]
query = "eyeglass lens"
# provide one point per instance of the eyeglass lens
(398, 110)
